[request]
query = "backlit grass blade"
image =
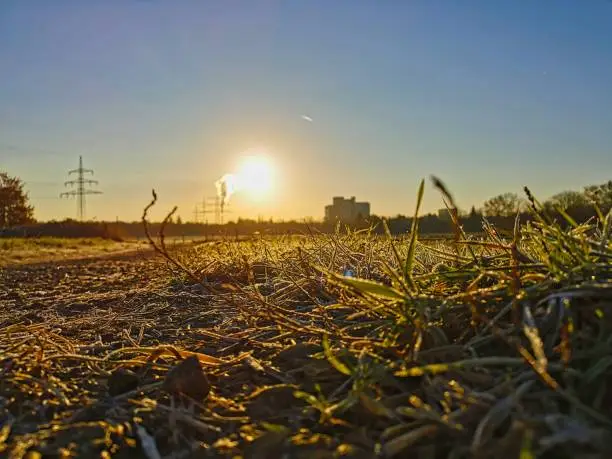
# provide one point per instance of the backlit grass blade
(372, 288)
(362, 285)
(398, 259)
(533, 335)
(413, 238)
(566, 216)
(527, 445)
(332, 359)
(606, 231)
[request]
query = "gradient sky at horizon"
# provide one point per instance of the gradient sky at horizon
(489, 95)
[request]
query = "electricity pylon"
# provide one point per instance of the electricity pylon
(80, 190)
(210, 206)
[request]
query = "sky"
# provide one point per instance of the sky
(349, 98)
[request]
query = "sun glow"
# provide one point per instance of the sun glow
(255, 177)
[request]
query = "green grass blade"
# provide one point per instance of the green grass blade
(527, 446)
(362, 285)
(372, 288)
(332, 359)
(566, 216)
(413, 238)
(398, 259)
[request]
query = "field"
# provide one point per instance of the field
(32, 250)
(315, 346)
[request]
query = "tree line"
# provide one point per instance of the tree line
(14, 206)
(17, 217)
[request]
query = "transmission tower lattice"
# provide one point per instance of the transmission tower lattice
(210, 206)
(80, 192)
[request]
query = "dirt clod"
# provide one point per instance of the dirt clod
(270, 402)
(188, 379)
(121, 381)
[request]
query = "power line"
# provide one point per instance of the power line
(201, 210)
(210, 206)
(80, 192)
(196, 214)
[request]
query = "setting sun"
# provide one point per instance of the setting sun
(255, 175)
(254, 178)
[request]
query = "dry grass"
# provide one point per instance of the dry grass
(496, 347)
(51, 249)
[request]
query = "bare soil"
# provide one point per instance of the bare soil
(88, 349)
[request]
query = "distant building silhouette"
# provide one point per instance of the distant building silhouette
(346, 210)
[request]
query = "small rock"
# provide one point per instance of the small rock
(299, 351)
(121, 381)
(270, 402)
(189, 379)
(79, 306)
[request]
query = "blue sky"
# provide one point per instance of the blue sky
(489, 95)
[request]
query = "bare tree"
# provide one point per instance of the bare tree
(600, 194)
(504, 205)
(14, 205)
(568, 200)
